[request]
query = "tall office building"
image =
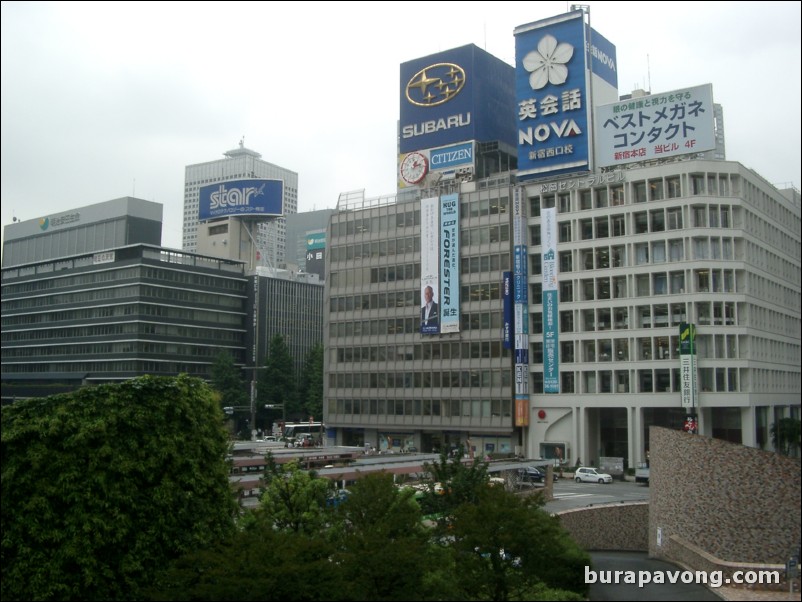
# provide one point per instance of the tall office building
(270, 238)
(641, 251)
(619, 278)
(102, 316)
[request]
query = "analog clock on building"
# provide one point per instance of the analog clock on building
(414, 168)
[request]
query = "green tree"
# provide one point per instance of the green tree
(258, 563)
(293, 499)
(785, 435)
(227, 381)
(451, 483)
(383, 545)
(311, 384)
(103, 486)
(507, 548)
(277, 383)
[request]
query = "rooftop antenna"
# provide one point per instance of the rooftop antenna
(648, 73)
(242, 141)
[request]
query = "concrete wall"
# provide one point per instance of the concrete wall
(737, 504)
(609, 527)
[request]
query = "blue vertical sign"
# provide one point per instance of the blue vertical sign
(551, 90)
(508, 310)
(520, 285)
(449, 263)
(548, 241)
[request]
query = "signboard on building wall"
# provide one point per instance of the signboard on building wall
(655, 126)
(687, 369)
(449, 263)
(548, 241)
(454, 96)
(520, 284)
(430, 265)
(425, 168)
(242, 198)
(316, 253)
(551, 88)
(440, 266)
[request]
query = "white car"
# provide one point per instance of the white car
(591, 475)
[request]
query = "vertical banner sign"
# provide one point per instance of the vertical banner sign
(521, 306)
(430, 265)
(687, 364)
(508, 309)
(548, 241)
(449, 263)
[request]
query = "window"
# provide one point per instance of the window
(566, 291)
(639, 188)
(565, 231)
(601, 197)
(619, 228)
(585, 201)
(617, 195)
(566, 261)
(674, 189)
(641, 222)
(656, 190)
(658, 220)
(674, 218)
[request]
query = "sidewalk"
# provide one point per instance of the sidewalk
(737, 594)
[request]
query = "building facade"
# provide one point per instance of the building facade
(117, 314)
(641, 250)
(115, 223)
(269, 237)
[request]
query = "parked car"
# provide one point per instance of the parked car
(531, 474)
(591, 475)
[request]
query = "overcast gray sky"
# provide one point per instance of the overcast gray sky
(103, 100)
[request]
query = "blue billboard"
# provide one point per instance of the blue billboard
(453, 96)
(551, 87)
(243, 198)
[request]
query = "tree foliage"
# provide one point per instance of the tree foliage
(785, 435)
(383, 546)
(227, 381)
(277, 383)
(507, 548)
(103, 486)
(311, 384)
(293, 499)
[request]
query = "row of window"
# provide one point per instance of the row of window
(164, 312)
(474, 292)
(355, 277)
(660, 380)
(476, 408)
(422, 351)
(647, 285)
(129, 329)
(129, 368)
(410, 325)
(190, 352)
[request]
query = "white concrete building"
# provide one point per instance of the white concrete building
(239, 163)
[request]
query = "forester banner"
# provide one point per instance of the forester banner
(548, 241)
(430, 265)
(449, 263)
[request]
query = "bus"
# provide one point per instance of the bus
(293, 429)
